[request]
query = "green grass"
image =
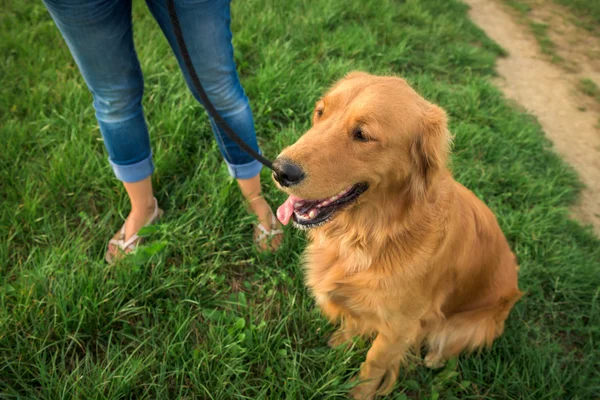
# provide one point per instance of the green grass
(589, 88)
(520, 6)
(539, 30)
(583, 13)
(199, 314)
(587, 12)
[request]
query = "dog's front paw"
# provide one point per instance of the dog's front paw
(369, 379)
(339, 338)
(433, 361)
(363, 391)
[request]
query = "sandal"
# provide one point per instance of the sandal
(268, 234)
(131, 243)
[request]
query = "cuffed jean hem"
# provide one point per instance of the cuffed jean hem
(133, 172)
(244, 171)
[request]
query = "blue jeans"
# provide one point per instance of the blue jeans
(99, 35)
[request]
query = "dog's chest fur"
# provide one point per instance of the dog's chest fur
(328, 277)
(368, 275)
(345, 283)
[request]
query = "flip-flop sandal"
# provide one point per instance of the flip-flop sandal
(131, 243)
(268, 234)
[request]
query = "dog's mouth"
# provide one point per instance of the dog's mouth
(312, 213)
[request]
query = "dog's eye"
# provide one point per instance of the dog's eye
(359, 135)
(319, 112)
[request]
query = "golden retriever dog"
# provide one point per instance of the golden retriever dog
(398, 248)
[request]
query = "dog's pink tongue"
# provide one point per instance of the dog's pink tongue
(285, 211)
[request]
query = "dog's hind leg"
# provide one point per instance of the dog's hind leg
(469, 330)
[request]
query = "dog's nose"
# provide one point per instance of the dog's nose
(287, 173)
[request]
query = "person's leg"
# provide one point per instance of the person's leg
(99, 36)
(206, 29)
(252, 191)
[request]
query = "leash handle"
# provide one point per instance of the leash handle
(198, 86)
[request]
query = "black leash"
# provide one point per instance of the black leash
(198, 86)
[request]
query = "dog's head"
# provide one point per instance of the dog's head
(369, 134)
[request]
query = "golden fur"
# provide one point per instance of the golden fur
(418, 257)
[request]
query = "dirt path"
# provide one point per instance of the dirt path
(548, 91)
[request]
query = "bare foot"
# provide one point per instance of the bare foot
(262, 210)
(135, 221)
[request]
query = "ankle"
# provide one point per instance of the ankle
(259, 206)
(143, 208)
(255, 202)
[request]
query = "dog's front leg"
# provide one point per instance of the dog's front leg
(379, 372)
(343, 336)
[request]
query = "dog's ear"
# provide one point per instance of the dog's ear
(429, 150)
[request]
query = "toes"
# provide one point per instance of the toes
(363, 392)
(338, 338)
(370, 379)
(112, 250)
(389, 380)
(433, 361)
(271, 243)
